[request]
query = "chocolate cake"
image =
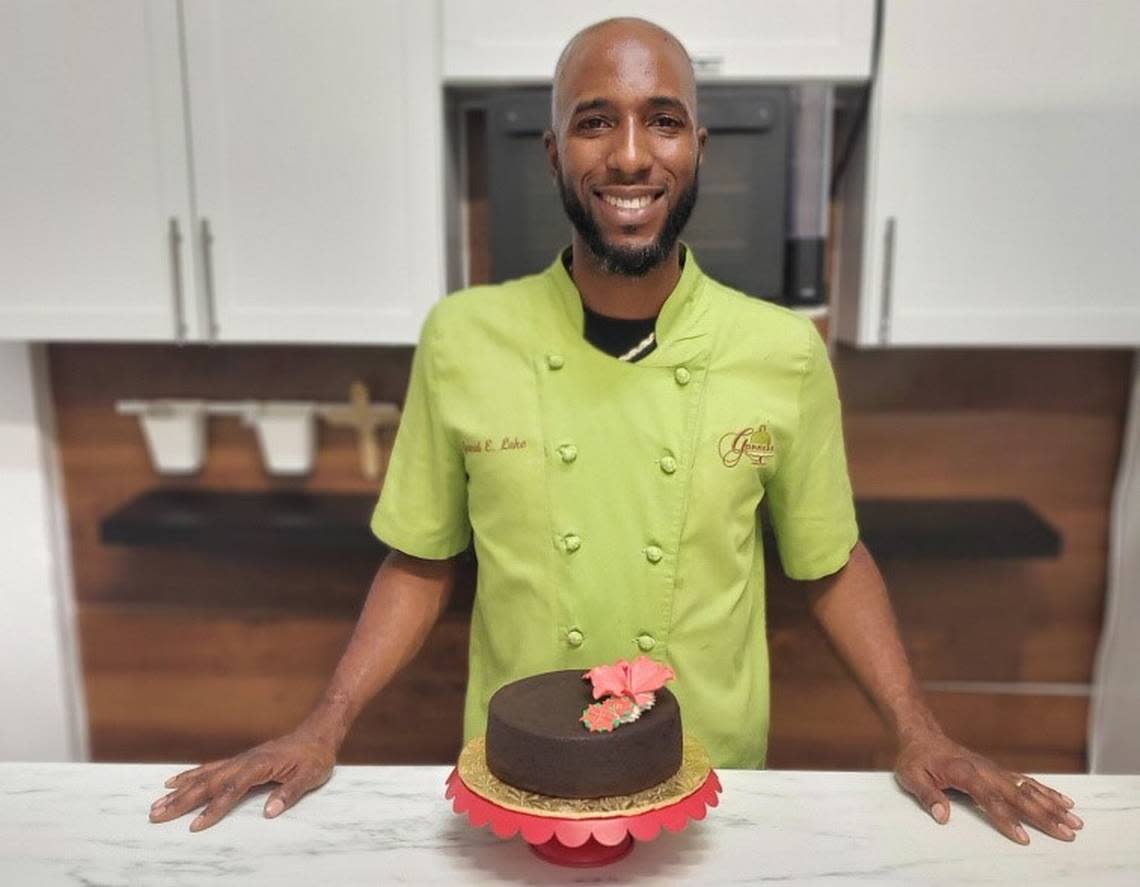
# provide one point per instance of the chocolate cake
(536, 742)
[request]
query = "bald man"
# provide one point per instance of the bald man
(605, 431)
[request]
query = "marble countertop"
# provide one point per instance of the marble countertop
(87, 824)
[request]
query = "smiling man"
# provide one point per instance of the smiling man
(605, 430)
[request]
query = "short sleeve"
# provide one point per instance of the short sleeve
(422, 510)
(809, 496)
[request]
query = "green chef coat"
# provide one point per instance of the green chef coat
(614, 504)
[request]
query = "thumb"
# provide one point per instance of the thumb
(292, 790)
(932, 799)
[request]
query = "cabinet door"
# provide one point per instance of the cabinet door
(519, 40)
(317, 134)
(1002, 200)
(93, 176)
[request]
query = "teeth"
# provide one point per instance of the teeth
(631, 203)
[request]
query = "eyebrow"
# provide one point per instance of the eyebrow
(592, 105)
(657, 101)
(667, 101)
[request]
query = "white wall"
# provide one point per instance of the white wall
(40, 687)
(1114, 723)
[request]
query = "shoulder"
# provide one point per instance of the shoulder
(472, 311)
(751, 321)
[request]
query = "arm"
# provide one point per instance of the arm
(405, 600)
(854, 611)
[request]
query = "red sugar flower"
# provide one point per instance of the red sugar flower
(629, 690)
(621, 706)
(598, 718)
(636, 681)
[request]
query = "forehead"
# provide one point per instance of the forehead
(623, 67)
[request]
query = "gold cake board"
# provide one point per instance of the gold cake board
(694, 770)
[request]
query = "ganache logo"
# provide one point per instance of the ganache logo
(753, 444)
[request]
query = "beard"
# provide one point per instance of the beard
(629, 261)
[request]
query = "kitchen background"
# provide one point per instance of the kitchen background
(256, 203)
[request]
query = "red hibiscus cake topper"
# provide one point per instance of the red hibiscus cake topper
(630, 688)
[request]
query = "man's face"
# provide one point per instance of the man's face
(625, 146)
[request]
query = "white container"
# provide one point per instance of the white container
(286, 434)
(174, 431)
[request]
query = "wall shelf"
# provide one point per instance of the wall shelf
(197, 518)
(891, 528)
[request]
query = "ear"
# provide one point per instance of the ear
(702, 138)
(551, 144)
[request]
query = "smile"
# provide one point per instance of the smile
(630, 208)
(628, 203)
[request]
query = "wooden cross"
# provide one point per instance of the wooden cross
(366, 418)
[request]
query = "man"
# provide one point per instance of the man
(606, 430)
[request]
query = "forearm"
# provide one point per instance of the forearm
(855, 613)
(404, 602)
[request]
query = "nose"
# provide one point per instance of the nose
(630, 154)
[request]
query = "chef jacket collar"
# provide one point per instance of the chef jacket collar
(679, 318)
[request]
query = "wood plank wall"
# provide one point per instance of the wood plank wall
(1006, 646)
(193, 655)
(189, 654)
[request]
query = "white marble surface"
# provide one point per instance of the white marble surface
(87, 824)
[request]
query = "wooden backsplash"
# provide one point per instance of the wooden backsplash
(191, 655)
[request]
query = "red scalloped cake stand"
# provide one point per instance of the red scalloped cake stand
(581, 842)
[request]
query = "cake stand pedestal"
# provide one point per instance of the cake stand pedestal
(581, 842)
(590, 854)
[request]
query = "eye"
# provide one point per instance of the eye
(668, 122)
(592, 122)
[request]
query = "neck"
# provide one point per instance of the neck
(617, 296)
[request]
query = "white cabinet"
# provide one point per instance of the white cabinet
(296, 148)
(995, 200)
(495, 41)
(94, 190)
(318, 159)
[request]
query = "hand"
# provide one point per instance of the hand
(299, 761)
(932, 762)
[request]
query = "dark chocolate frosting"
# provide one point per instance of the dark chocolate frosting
(536, 742)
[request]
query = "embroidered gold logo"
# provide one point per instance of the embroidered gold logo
(753, 444)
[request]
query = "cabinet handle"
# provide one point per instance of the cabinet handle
(888, 276)
(175, 241)
(208, 270)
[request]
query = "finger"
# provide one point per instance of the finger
(919, 783)
(289, 792)
(1000, 813)
(1056, 809)
(225, 798)
(204, 770)
(1039, 813)
(1063, 800)
(961, 774)
(180, 802)
(1052, 800)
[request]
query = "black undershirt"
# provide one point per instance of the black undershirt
(617, 335)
